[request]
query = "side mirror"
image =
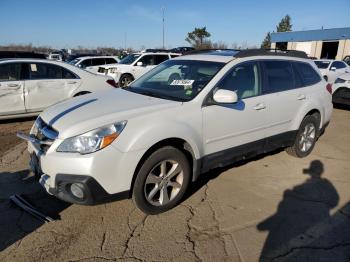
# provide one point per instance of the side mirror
(333, 69)
(223, 96)
(139, 63)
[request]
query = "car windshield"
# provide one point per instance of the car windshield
(179, 80)
(322, 64)
(129, 59)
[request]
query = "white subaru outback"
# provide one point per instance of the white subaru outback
(149, 141)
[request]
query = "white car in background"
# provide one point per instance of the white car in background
(331, 69)
(135, 65)
(341, 90)
(28, 86)
(92, 63)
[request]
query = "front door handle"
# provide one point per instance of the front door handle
(13, 85)
(301, 97)
(259, 106)
(72, 82)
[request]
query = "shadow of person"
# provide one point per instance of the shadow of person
(14, 222)
(301, 209)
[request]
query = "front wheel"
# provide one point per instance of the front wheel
(161, 181)
(125, 80)
(306, 137)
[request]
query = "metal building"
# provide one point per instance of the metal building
(325, 43)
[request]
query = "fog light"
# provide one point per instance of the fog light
(77, 190)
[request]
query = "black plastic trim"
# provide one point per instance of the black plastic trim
(94, 192)
(246, 151)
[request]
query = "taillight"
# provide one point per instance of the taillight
(112, 82)
(329, 88)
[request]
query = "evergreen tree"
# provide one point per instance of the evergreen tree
(266, 44)
(197, 38)
(284, 25)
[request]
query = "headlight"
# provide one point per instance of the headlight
(113, 70)
(339, 81)
(92, 141)
(35, 127)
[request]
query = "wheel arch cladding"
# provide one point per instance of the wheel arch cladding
(309, 110)
(177, 143)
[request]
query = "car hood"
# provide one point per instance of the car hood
(84, 113)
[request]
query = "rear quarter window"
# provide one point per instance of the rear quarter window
(308, 75)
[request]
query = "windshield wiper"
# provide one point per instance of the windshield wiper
(152, 94)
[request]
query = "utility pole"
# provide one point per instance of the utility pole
(163, 9)
(124, 40)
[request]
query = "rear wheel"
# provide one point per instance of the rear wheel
(306, 137)
(161, 181)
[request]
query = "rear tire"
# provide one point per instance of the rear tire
(162, 180)
(306, 137)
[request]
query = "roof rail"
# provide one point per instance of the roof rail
(200, 51)
(270, 52)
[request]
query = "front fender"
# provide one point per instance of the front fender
(143, 138)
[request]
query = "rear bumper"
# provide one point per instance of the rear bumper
(341, 96)
(323, 129)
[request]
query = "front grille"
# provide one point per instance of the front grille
(45, 134)
(101, 70)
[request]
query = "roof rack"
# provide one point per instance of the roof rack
(270, 52)
(209, 50)
(239, 53)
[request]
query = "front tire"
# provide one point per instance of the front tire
(306, 137)
(125, 80)
(161, 181)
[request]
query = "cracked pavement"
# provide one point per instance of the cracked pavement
(272, 208)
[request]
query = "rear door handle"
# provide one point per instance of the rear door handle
(301, 97)
(259, 106)
(72, 82)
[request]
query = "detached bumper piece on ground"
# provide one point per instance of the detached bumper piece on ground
(22, 203)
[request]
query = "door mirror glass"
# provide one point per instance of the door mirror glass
(223, 96)
(139, 64)
(333, 68)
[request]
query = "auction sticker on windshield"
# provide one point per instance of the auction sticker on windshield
(182, 82)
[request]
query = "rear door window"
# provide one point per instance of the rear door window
(307, 73)
(160, 59)
(110, 61)
(10, 72)
(279, 76)
(48, 71)
(98, 61)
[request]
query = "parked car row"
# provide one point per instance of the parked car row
(186, 116)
